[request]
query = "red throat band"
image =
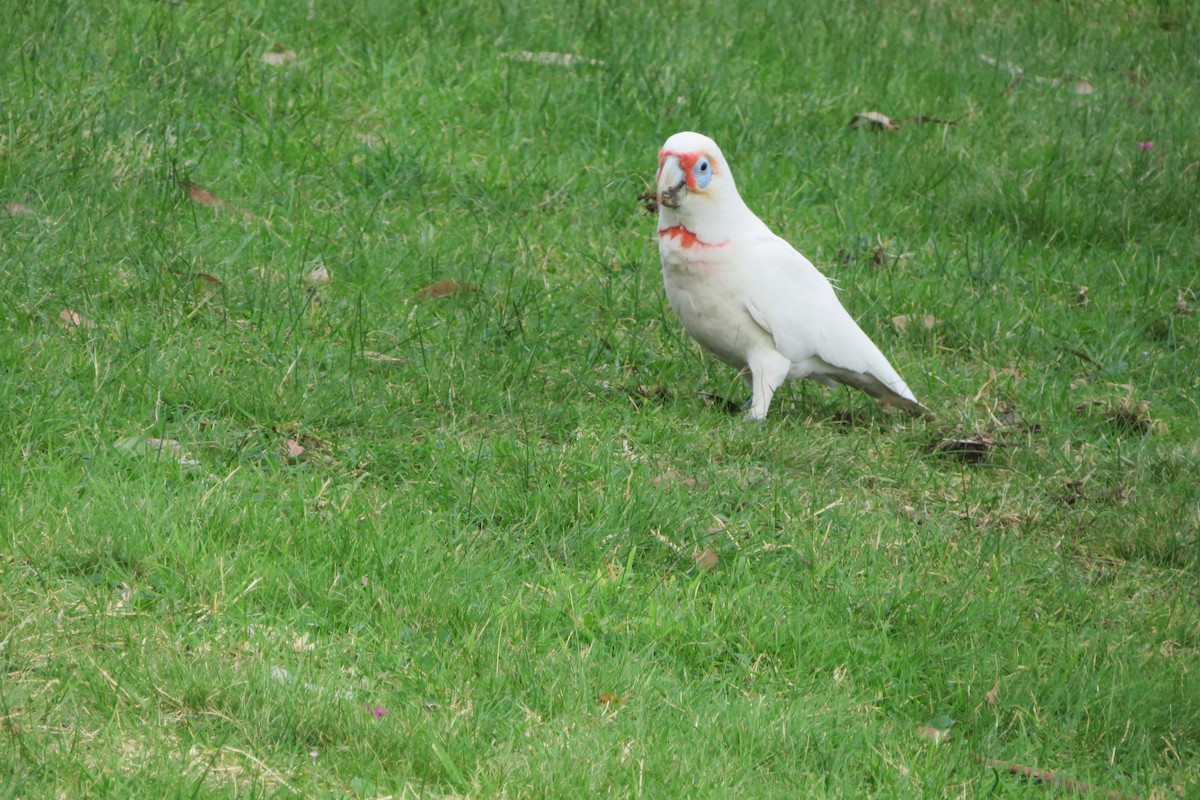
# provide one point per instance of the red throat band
(687, 239)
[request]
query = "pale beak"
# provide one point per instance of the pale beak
(672, 183)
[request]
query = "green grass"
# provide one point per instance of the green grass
(490, 533)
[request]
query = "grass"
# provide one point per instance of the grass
(486, 573)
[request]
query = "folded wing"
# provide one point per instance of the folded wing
(790, 299)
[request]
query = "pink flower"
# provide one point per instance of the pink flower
(1144, 146)
(366, 581)
(378, 712)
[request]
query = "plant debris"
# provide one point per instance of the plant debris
(968, 449)
(279, 56)
(446, 288)
(705, 558)
(612, 699)
(1080, 86)
(915, 321)
(73, 319)
(875, 121)
(551, 59)
(1126, 415)
(674, 476)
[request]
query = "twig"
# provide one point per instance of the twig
(1052, 778)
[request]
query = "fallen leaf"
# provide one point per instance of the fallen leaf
(1081, 86)
(921, 119)
(994, 695)
(318, 275)
(873, 121)
(446, 288)
(373, 356)
(677, 477)
(278, 56)
(73, 319)
(904, 321)
(935, 735)
(205, 277)
(202, 196)
(706, 558)
(1051, 778)
(551, 59)
(1016, 373)
(612, 699)
(1181, 304)
(292, 448)
(970, 449)
(150, 445)
(171, 445)
(1131, 416)
(302, 644)
(19, 210)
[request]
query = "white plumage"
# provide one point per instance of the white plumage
(747, 296)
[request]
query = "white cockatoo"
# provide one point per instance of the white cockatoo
(747, 296)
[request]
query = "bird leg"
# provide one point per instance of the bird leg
(768, 369)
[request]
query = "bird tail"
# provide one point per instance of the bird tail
(897, 395)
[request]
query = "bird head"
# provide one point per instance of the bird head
(691, 171)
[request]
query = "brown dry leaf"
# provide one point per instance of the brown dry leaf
(970, 449)
(935, 735)
(1082, 86)
(302, 644)
(551, 59)
(706, 558)
(19, 210)
(994, 695)
(677, 477)
(292, 448)
(317, 276)
(446, 288)
(921, 119)
(151, 445)
(1016, 373)
(1181, 304)
(873, 121)
(1131, 416)
(612, 699)
(904, 321)
(202, 196)
(373, 356)
(73, 319)
(1054, 779)
(171, 446)
(206, 278)
(279, 56)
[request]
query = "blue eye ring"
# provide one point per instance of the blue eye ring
(702, 172)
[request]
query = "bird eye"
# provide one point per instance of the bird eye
(702, 172)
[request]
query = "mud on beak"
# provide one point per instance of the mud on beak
(672, 183)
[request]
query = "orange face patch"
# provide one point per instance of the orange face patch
(686, 162)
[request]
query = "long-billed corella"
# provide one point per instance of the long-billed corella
(747, 296)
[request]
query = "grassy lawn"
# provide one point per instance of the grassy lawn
(349, 448)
